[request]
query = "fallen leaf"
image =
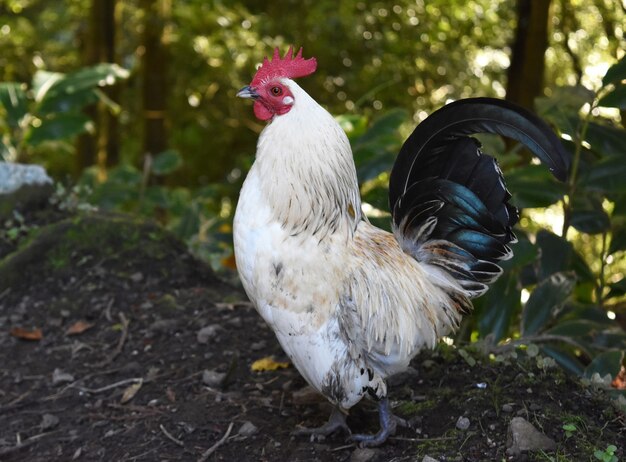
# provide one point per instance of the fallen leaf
(131, 391)
(25, 334)
(619, 381)
(268, 364)
(229, 262)
(79, 327)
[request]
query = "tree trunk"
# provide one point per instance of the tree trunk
(154, 74)
(102, 146)
(525, 74)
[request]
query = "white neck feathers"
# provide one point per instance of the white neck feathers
(306, 170)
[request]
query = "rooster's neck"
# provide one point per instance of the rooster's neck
(306, 170)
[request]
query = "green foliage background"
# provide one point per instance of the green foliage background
(383, 66)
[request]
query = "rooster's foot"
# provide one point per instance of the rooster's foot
(336, 422)
(388, 424)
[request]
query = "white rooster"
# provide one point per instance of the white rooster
(352, 304)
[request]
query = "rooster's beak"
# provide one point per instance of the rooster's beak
(248, 92)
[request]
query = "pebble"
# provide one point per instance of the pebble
(248, 429)
(256, 346)
(58, 376)
(213, 378)
(507, 408)
(523, 436)
(207, 333)
(429, 459)
(48, 422)
(463, 423)
(363, 454)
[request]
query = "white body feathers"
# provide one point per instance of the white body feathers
(348, 306)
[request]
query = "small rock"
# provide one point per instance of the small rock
(163, 326)
(58, 376)
(363, 454)
(523, 436)
(136, 277)
(248, 429)
(535, 407)
(463, 423)
(207, 333)
(507, 408)
(48, 422)
(256, 346)
(213, 378)
(429, 459)
(22, 187)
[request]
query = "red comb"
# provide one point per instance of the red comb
(290, 67)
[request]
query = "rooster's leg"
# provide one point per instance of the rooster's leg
(336, 421)
(388, 424)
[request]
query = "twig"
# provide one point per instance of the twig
(120, 343)
(421, 440)
(341, 448)
(25, 443)
(213, 448)
(171, 437)
(110, 386)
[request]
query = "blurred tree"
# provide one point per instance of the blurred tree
(154, 73)
(525, 74)
(98, 45)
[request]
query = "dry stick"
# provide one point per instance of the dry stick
(120, 344)
(213, 448)
(110, 386)
(22, 444)
(171, 437)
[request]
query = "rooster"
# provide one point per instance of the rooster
(352, 304)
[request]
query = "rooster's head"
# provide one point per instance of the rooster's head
(270, 85)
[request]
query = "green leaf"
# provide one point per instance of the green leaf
(606, 139)
(14, 99)
(616, 73)
(616, 98)
(618, 288)
(607, 176)
(497, 306)
(385, 125)
(354, 125)
(575, 328)
(608, 362)
(524, 252)
(618, 239)
(556, 253)
(549, 295)
(564, 358)
(42, 81)
(60, 127)
(590, 221)
(166, 162)
(562, 107)
(76, 90)
(533, 186)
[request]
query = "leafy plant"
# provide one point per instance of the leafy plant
(570, 429)
(608, 455)
(51, 108)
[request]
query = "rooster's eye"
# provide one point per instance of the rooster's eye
(276, 91)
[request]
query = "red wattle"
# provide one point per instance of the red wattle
(261, 111)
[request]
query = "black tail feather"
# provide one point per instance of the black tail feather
(449, 200)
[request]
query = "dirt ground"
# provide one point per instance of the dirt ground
(117, 345)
